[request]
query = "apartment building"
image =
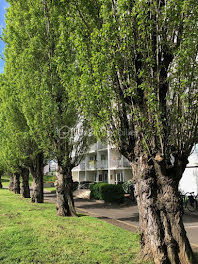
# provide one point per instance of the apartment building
(189, 180)
(102, 163)
(50, 168)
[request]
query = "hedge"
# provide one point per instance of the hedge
(95, 190)
(110, 193)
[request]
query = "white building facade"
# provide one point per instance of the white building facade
(189, 181)
(50, 168)
(103, 163)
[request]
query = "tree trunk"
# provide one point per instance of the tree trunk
(11, 184)
(25, 189)
(16, 183)
(36, 170)
(64, 183)
(163, 236)
(0, 183)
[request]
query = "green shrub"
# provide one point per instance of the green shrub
(49, 178)
(95, 190)
(110, 193)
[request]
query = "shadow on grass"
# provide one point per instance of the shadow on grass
(4, 180)
(81, 215)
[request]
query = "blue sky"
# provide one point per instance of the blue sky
(3, 6)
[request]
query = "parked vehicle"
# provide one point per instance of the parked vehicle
(84, 185)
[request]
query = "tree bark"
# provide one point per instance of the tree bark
(64, 183)
(15, 183)
(11, 184)
(36, 170)
(25, 189)
(163, 236)
(0, 183)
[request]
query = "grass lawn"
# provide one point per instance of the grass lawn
(5, 182)
(32, 233)
(51, 189)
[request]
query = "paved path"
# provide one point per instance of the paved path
(126, 216)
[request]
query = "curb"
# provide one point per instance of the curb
(122, 223)
(110, 220)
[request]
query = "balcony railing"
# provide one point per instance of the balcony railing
(116, 163)
(119, 163)
(102, 164)
(91, 164)
(82, 166)
(126, 163)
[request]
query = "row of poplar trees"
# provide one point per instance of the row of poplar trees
(126, 69)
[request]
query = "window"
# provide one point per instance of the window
(103, 157)
(103, 177)
(92, 158)
(95, 177)
(119, 178)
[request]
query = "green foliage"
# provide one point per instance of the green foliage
(127, 68)
(48, 178)
(110, 193)
(33, 58)
(126, 186)
(17, 147)
(138, 66)
(95, 190)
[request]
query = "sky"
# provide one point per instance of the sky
(3, 6)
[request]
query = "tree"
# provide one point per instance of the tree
(18, 150)
(1, 173)
(138, 65)
(32, 36)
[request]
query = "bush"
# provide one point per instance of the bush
(127, 186)
(48, 178)
(110, 193)
(95, 190)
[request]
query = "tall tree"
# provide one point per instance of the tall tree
(138, 65)
(32, 35)
(18, 149)
(1, 173)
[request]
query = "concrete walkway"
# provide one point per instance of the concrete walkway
(126, 216)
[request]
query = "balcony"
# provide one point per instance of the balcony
(82, 166)
(126, 163)
(119, 163)
(116, 163)
(102, 164)
(91, 165)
